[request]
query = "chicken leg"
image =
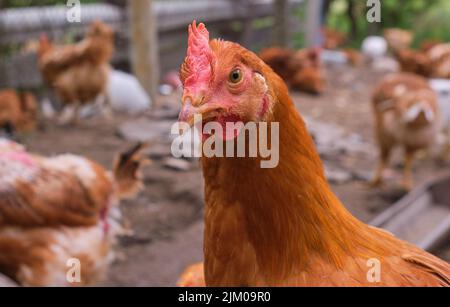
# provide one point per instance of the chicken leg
(407, 170)
(384, 160)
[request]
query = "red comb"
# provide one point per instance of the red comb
(199, 57)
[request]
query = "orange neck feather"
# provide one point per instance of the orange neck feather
(289, 212)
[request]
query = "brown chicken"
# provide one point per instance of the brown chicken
(308, 75)
(433, 60)
(406, 114)
(413, 61)
(55, 210)
(333, 39)
(301, 69)
(398, 39)
(354, 57)
(426, 45)
(18, 111)
(279, 59)
(410, 60)
(78, 73)
(439, 56)
(280, 226)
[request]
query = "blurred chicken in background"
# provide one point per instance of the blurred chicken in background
(79, 72)
(398, 39)
(354, 57)
(278, 59)
(431, 60)
(334, 50)
(439, 56)
(406, 115)
(413, 61)
(54, 210)
(301, 69)
(374, 47)
(18, 112)
(308, 75)
(333, 39)
(427, 44)
(399, 42)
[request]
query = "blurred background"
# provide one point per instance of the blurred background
(346, 57)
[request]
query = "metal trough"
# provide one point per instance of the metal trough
(422, 217)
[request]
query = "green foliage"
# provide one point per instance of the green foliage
(435, 24)
(429, 19)
(299, 38)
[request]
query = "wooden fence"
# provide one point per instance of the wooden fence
(225, 18)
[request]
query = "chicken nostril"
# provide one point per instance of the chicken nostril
(194, 101)
(187, 99)
(184, 113)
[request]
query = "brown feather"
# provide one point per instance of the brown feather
(78, 72)
(18, 110)
(55, 209)
(127, 169)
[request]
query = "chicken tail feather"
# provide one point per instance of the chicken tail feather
(126, 169)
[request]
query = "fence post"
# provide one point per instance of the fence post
(281, 18)
(144, 45)
(313, 23)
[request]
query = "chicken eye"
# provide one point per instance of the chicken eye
(235, 76)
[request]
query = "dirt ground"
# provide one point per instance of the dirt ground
(166, 218)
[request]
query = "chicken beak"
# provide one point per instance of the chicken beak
(188, 112)
(196, 111)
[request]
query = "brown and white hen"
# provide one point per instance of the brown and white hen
(54, 210)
